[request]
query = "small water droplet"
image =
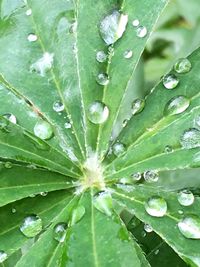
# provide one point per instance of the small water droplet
(43, 130)
(103, 202)
(190, 138)
(32, 37)
(67, 125)
(190, 227)
(183, 65)
(136, 176)
(126, 180)
(43, 194)
(170, 81)
(168, 149)
(148, 228)
(102, 79)
(58, 106)
(156, 251)
(13, 210)
(118, 149)
(98, 112)
(101, 56)
(124, 123)
(135, 23)
(77, 214)
(113, 26)
(60, 231)
(3, 256)
(138, 106)
(10, 117)
(141, 31)
(156, 206)
(8, 165)
(151, 176)
(128, 54)
(43, 64)
(31, 226)
(185, 198)
(29, 12)
(176, 105)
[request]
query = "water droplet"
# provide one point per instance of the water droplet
(190, 227)
(43, 194)
(128, 54)
(77, 214)
(168, 149)
(151, 176)
(102, 79)
(3, 256)
(10, 117)
(156, 206)
(135, 23)
(176, 105)
(32, 37)
(103, 202)
(13, 210)
(156, 251)
(141, 31)
(29, 12)
(170, 81)
(8, 165)
(118, 149)
(183, 65)
(136, 176)
(185, 198)
(138, 106)
(124, 123)
(31, 226)
(58, 106)
(98, 112)
(67, 125)
(113, 26)
(42, 65)
(43, 130)
(190, 138)
(60, 231)
(126, 180)
(148, 228)
(101, 56)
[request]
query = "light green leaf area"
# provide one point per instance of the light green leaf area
(134, 199)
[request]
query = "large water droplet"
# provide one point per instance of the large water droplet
(60, 231)
(10, 117)
(31, 226)
(156, 206)
(113, 26)
(102, 79)
(58, 106)
(138, 106)
(176, 105)
(185, 198)
(170, 81)
(118, 149)
(183, 65)
(43, 130)
(3, 256)
(190, 138)
(151, 176)
(190, 227)
(77, 214)
(98, 112)
(103, 202)
(42, 65)
(128, 54)
(101, 56)
(141, 31)
(32, 37)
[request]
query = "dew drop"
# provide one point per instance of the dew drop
(101, 56)
(136, 176)
(103, 202)
(183, 65)
(128, 54)
(13, 210)
(113, 26)
(190, 138)
(151, 176)
(8, 165)
(43, 130)
(124, 123)
(118, 149)
(138, 106)
(43, 194)
(168, 149)
(42, 65)
(10, 117)
(58, 106)
(77, 214)
(176, 105)
(135, 23)
(60, 231)
(185, 198)
(148, 228)
(156, 206)
(29, 12)
(32, 37)
(190, 227)
(170, 81)
(67, 125)
(3, 256)
(102, 79)
(141, 31)
(98, 112)
(31, 226)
